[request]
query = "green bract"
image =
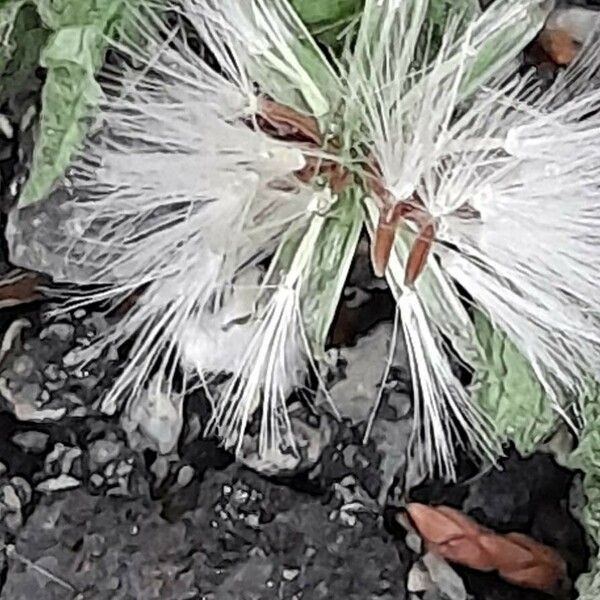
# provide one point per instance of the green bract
(329, 268)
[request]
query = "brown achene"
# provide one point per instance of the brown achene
(282, 122)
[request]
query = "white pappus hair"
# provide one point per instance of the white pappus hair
(174, 199)
(529, 258)
(178, 196)
(512, 178)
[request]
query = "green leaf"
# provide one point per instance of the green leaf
(585, 458)
(439, 13)
(72, 57)
(57, 14)
(509, 392)
(507, 37)
(69, 99)
(329, 268)
(316, 13)
(328, 20)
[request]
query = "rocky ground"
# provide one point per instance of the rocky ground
(95, 507)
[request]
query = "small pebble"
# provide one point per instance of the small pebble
(160, 468)
(57, 484)
(414, 542)
(22, 488)
(10, 498)
(28, 117)
(56, 452)
(69, 457)
(418, 579)
(103, 451)
(23, 366)
(185, 476)
(113, 583)
(52, 371)
(6, 128)
(54, 386)
(96, 544)
(347, 518)
(123, 469)
(31, 441)
(29, 393)
(445, 577)
(63, 331)
(96, 480)
(290, 574)
(253, 521)
(13, 520)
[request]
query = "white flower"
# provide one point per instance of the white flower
(185, 188)
(177, 192)
(512, 180)
(273, 364)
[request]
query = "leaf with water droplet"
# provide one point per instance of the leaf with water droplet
(73, 55)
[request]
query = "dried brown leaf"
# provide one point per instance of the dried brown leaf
(517, 558)
(558, 45)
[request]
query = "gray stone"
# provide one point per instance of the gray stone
(290, 574)
(57, 484)
(63, 331)
(419, 579)
(29, 393)
(31, 441)
(10, 498)
(23, 366)
(445, 577)
(102, 452)
(185, 475)
(96, 480)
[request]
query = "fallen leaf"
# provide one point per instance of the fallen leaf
(20, 287)
(517, 558)
(559, 45)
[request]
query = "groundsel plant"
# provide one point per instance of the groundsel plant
(223, 191)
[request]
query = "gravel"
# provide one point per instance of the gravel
(247, 538)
